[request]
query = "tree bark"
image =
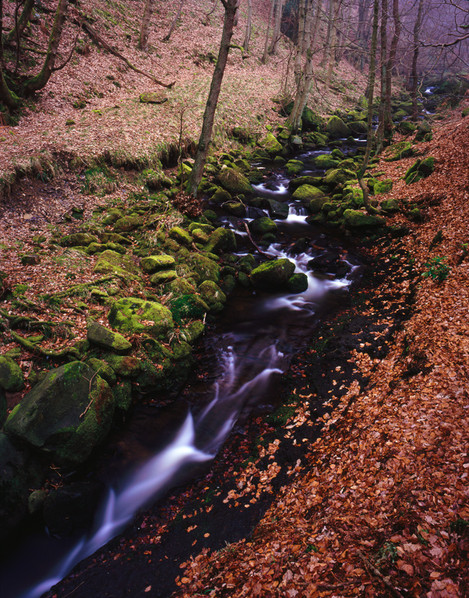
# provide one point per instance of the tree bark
(370, 98)
(20, 24)
(382, 70)
(277, 24)
(167, 37)
(414, 79)
(145, 27)
(390, 66)
(41, 79)
(231, 8)
(266, 46)
(247, 35)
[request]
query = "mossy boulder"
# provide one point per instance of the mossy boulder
(382, 186)
(11, 376)
(111, 262)
(297, 283)
(188, 307)
(103, 369)
(78, 240)
(236, 208)
(125, 366)
(262, 226)
(316, 204)
(270, 144)
(234, 181)
(306, 193)
(336, 128)
(356, 219)
(133, 315)
(153, 97)
(106, 339)
(358, 127)
(126, 224)
(310, 121)
(424, 131)
(406, 127)
(326, 161)
(163, 277)
(112, 215)
(315, 181)
(402, 149)
(277, 209)
(294, 167)
(212, 294)
(203, 267)
(221, 195)
(155, 263)
(339, 176)
(221, 240)
(273, 275)
(180, 235)
(419, 170)
(122, 394)
(390, 206)
(68, 414)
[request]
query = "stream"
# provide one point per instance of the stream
(250, 349)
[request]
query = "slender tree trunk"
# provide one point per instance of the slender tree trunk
(145, 27)
(41, 79)
(231, 8)
(247, 35)
(266, 45)
(167, 37)
(7, 97)
(277, 24)
(20, 24)
(300, 41)
(414, 79)
(370, 98)
(332, 41)
(382, 70)
(390, 67)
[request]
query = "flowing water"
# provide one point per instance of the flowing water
(251, 348)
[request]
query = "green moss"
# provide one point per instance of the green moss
(188, 307)
(11, 376)
(132, 315)
(306, 193)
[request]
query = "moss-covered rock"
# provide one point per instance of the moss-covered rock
(163, 277)
(419, 170)
(193, 331)
(406, 127)
(132, 315)
(336, 128)
(236, 208)
(11, 376)
(103, 369)
(310, 121)
(188, 307)
(294, 167)
(180, 235)
(153, 97)
(297, 283)
(155, 263)
(67, 414)
(273, 275)
(211, 293)
(326, 161)
(234, 181)
(316, 204)
(262, 226)
(126, 224)
(270, 144)
(390, 206)
(358, 127)
(106, 339)
(122, 394)
(110, 262)
(112, 215)
(339, 176)
(356, 219)
(382, 186)
(203, 267)
(424, 131)
(397, 151)
(221, 240)
(78, 240)
(277, 209)
(306, 193)
(125, 366)
(221, 195)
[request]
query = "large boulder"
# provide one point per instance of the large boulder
(233, 181)
(11, 376)
(133, 315)
(273, 275)
(336, 128)
(420, 170)
(271, 145)
(306, 193)
(326, 161)
(262, 226)
(359, 220)
(277, 209)
(221, 240)
(155, 263)
(67, 415)
(112, 262)
(203, 267)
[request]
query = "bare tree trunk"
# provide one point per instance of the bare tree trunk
(41, 79)
(145, 28)
(414, 79)
(333, 13)
(390, 67)
(231, 8)
(370, 98)
(247, 35)
(382, 70)
(7, 97)
(300, 41)
(167, 37)
(266, 46)
(277, 24)
(20, 24)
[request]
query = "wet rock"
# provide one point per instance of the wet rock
(11, 376)
(155, 263)
(359, 219)
(212, 294)
(188, 307)
(294, 167)
(298, 283)
(326, 161)
(262, 226)
(277, 209)
(221, 240)
(273, 275)
(132, 315)
(306, 193)
(106, 339)
(180, 235)
(236, 208)
(271, 145)
(163, 277)
(67, 414)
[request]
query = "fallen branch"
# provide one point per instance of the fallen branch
(372, 569)
(78, 287)
(255, 244)
(101, 42)
(72, 351)
(17, 321)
